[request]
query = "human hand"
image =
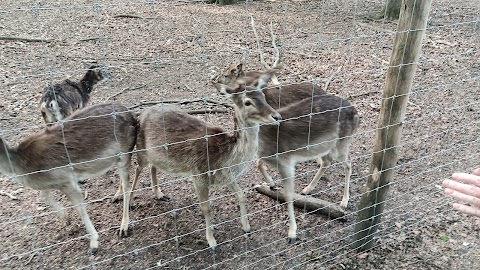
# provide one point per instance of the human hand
(469, 194)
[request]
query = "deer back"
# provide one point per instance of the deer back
(92, 139)
(332, 118)
(177, 142)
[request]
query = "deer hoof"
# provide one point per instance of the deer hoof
(92, 251)
(123, 233)
(164, 198)
(216, 249)
(292, 240)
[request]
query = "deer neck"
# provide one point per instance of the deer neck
(246, 137)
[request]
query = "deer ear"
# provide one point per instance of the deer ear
(263, 80)
(224, 89)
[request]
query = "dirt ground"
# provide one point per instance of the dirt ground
(169, 50)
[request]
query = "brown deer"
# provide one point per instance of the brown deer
(277, 96)
(87, 144)
(177, 143)
(319, 128)
(62, 99)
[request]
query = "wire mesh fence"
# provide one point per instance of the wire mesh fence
(159, 54)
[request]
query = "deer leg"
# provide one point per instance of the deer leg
(288, 175)
(76, 197)
(58, 208)
(201, 189)
(262, 168)
(123, 169)
(325, 162)
(138, 171)
(233, 186)
(156, 190)
(118, 194)
(347, 165)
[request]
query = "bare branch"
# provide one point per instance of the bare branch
(126, 89)
(309, 203)
(25, 39)
(179, 102)
(206, 111)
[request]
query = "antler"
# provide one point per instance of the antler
(260, 50)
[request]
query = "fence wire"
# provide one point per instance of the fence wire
(160, 54)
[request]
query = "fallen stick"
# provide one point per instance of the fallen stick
(126, 89)
(25, 39)
(179, 102)
(305, 202)
(205, 111)
(8, 195)
(127, 16)
(88, 39)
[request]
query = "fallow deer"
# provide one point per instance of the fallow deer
(177, 143)
(322, 128)
(86, 144)
(277, 96)
(62, 99)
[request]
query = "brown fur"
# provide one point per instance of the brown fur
(325, 136)
(90, 142)
(180, 144)
(276, 96)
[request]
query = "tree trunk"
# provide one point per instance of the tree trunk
(403, 61)
(391, 10)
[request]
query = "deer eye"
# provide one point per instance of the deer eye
(248, 103)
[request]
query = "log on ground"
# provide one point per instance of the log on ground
(314, 205)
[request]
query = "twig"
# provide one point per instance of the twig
(126, 89)
(179, 102)
(8, 195)
(205, 111)
(25, 39)
(304, 54)
(330, 79)
(127, 16)
(31, 257)
(88, 39)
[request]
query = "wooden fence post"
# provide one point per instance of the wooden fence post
(403, 61)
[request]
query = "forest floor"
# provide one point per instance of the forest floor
(168, 50)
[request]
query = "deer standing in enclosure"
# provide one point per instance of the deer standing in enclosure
(90, 142)
(62, 99)
(180, 144)
(319, 128)
(325, 137)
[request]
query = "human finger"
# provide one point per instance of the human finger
(463, 188)
(467, 209)
(467, 178)
(474, 201)
(476, 172)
